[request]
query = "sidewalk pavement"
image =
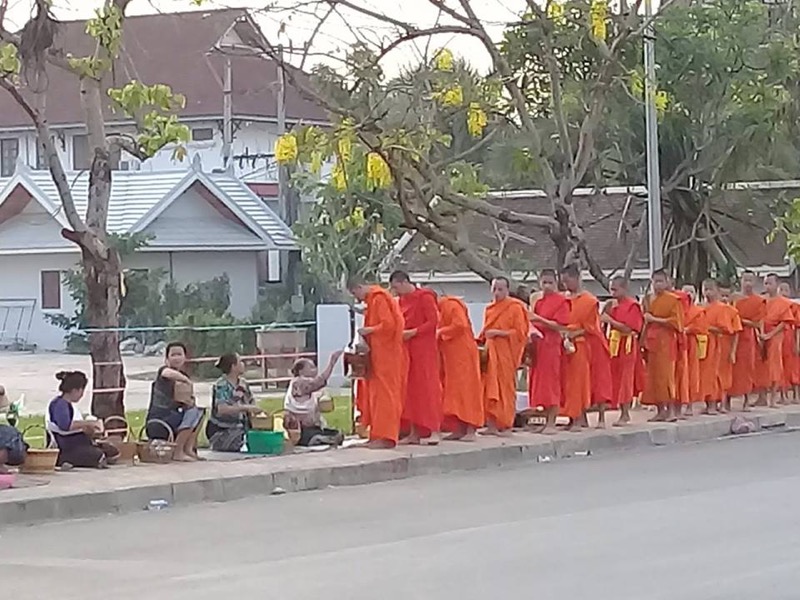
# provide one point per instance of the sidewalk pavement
(81, 493)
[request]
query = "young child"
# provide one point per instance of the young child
(301, 404)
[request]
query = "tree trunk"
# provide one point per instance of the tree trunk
(102, 277)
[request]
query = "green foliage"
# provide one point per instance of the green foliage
(153, 107)
(9, 59)
(209, 342)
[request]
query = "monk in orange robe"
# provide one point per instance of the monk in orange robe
(624, 319)
(461, 371)
(381, 395)
(777, 321)
(588, 368)
(505, 333)
(681, 365)
(729, 345)
(696, 332)
(550, 312)
(663, 323)
(752, 308)
(790, 358)
(422, 409)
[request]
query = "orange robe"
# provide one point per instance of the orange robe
(579, 387)
(779, 310)
(726, 346)
(681, 364)
(380, 398)
(661, 345)
(423, 400)
(461, 369)
(624, 350)
(545, 378)
(505, 356)
(790, 359)
(696, 348)
(745, 375)
(715, 369)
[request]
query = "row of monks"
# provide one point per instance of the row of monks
(671, 350)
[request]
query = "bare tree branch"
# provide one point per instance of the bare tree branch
(53, 162)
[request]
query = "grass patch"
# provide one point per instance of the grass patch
(338, 419)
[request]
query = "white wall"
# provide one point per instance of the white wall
(20, 280)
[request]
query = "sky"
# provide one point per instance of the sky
(296, 29)
(293, 28)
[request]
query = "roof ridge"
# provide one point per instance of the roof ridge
(177, 13)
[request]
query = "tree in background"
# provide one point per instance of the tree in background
(433, 177)
(25, 58)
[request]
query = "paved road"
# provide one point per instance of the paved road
(719, 520)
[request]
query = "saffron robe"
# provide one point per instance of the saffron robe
(624, 349)
(423, 399)
(779, 310)
(504, 358)
(460, 367)
(661, 345)
(545, 388)
(696, 349)
(751, 308)
(380, 398)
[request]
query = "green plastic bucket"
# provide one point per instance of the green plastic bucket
(264, 442)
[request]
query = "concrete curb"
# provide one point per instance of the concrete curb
(447, 458)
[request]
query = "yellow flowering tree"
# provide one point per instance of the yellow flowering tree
(426, 136)
(24, 55)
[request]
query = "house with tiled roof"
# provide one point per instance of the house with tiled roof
(610, 218)
(198, 225)
(190, 51)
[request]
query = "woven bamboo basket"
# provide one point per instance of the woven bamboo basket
(39, 461)
(156, 451)
(118, 434)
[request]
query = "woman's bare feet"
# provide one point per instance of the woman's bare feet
(181, 457)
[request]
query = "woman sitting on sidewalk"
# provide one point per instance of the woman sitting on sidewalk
(301, 404)
(231, 406)
(73, 435)
(178, 411)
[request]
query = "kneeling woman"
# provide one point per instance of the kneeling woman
(73, 435)
(301, 405)
(231, 406)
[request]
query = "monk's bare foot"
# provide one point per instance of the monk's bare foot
(504, 433)
(658, 418)
(432, 440)
(456, 436)
(411, 440)
(689, 413)
(600, 425)
(379, 445)
(548, 430)
(622, 422)
(470, 435)
(489, 431)
(670, 419)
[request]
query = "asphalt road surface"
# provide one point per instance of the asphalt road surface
(701, 522)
